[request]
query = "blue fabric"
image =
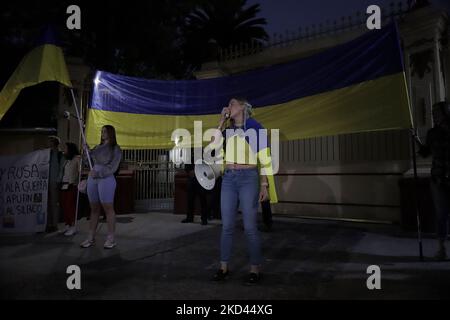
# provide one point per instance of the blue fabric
(48, 36)
(370, 56)
(240, 187)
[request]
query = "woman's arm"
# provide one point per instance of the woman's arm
(263, 189)
(87, 152)
(218, 136)
(267, 181)
(110, 168)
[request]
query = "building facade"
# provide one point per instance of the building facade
(354, 176)
(351, 176)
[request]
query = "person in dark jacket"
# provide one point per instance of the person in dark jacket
(437, 145)
(266, 216)
(194, 189)
(56, 159)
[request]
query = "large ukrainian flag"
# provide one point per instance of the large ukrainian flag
(354, 87)
(44, 63)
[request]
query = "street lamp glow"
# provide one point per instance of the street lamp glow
(97, 79)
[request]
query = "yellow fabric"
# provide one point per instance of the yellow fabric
(265, 167)
(138, 131)
(239, 151)
(380, 104)
(43, 63)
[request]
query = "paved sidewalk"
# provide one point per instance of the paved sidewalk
(158, 257)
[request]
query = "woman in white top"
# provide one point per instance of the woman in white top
(69, 182)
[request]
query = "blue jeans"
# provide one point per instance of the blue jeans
(240, 187)
(441, 199)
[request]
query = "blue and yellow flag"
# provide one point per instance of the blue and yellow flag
(44, 63)
(354, 87)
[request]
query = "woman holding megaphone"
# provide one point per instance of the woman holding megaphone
(242, 183)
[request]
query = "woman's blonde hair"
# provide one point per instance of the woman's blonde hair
(248, 107)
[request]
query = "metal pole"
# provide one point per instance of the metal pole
(78, 193)
(85, 150)
(81, 129)
(416, 200)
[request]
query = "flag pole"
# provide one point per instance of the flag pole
(415, 196)
(83, 138)
(413, 133)
(78, 193)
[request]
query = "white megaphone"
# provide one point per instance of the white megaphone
(207, 174)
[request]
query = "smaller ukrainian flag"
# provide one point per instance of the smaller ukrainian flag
(44, 63)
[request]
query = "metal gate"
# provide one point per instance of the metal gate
(154, 179)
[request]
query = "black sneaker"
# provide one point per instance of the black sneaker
(220, 275)
(252, 279)
(187, 220)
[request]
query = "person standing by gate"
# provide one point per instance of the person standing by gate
(438, 146)
(69, 182)
(194, 189)
(101, 185)
(53, 184)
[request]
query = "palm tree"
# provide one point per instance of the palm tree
(221, 24)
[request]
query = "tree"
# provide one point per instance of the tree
(140, 38)
(220, 24)
(154, 39)
(137, 38)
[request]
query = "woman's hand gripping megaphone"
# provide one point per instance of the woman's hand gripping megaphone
(225, 113)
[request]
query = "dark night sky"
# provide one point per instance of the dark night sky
(289, 15)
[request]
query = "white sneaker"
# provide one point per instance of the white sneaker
(63, 231)
(109, 243)
(70, 232)
(87, 243)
